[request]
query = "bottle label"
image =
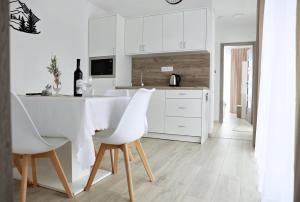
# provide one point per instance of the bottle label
(79, 85)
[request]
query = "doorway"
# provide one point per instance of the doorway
(236, 94)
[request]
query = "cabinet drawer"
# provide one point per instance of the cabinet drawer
(184, 94)
(183, 107)
(183, 126)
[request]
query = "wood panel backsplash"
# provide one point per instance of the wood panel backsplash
(193, 69)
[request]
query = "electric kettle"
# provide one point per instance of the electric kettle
(174, 80)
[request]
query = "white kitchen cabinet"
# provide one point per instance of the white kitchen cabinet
(184, 94)
(156, 112)
(134, 35)
(178, 115)
(183, 126)
(183, 107)
(205, 115)
(153, 34)
(173, 32)
(102, 36)
(195, 29)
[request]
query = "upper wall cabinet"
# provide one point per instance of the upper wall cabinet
(195, 28)
(175, 32)
(153, 34)
(134, 35)
(102, 36)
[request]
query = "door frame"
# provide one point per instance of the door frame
(6, 185)
(221, 108)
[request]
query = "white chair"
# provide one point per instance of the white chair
(27, 145)
(114, 93)
(128, 132)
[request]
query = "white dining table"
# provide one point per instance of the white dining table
(75, 118)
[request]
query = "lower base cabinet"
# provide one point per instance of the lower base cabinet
(183, 126)
(178, 115)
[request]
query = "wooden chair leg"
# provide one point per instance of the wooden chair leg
(144, 159)
(128, 172)
(56, 163)
(33, 170)
(23, 186)
(130, 154)
(111, 151)
(16, 161)
(116, 160)
(17, 164)
(95, 167)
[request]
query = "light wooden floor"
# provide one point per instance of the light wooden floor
(220, 170)
(233, 128)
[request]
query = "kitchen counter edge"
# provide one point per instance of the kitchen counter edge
(164, 87)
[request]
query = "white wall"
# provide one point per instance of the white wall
(227, 32)
(211, 38)
(64, 33)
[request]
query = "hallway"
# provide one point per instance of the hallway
(233, 128)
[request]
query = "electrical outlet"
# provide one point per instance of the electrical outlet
(167, 69)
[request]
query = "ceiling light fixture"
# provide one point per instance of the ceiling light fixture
(173, 2)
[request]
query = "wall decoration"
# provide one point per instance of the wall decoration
(22, 18)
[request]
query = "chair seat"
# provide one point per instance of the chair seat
(55, 142)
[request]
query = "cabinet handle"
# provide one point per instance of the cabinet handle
(181, 126)
(181, 107)
(184, 44)
(182, 93)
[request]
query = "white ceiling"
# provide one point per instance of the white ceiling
(223, 8)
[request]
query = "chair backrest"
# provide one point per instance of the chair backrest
(25, 136)
(116, 93)
(132, 124)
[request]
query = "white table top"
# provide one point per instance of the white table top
(75, 118)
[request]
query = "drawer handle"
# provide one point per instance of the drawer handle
(181, 126)
(181, 107)
(182, 93)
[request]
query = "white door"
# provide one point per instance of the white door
(156, 112)
(153, 34)
(173, 32)
(102, 36)
(195, 29)
(133, 35)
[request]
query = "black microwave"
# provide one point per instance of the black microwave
(102, 67)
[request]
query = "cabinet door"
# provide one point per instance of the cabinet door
(153, 34)
(102, 36)
(173, 32)
(133, 35)
(156, 112)
(195, 29)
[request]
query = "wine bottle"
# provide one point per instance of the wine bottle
(78, 80)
